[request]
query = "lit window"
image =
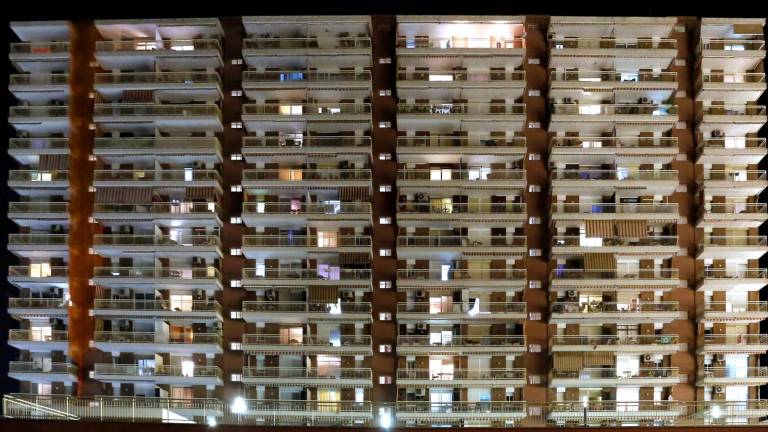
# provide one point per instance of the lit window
(236, 346)
(385, 188)
(236, 188)
(327, 239)
(589, 109)
(235, 251)
(629, 77)
(236, 156)
(236, 220)
(187, 368)
(291, 109)
(440, 77)
(40, 270)
(235, 315)
(236, 377)
(42, 177)
(181, 302)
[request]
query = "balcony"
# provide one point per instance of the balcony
(176, 278)
(732, 247)
(284, 82)
(277, 246)
(287, 213)
(421, 413)
(460, 345)
(167, 54)
(738, 150)
(30, 277)
(36, 308)
(39, 120)
(167, 178)
(343, 51)
(655, 53)
(591, 118)
(642, 344)
(42, 373)
(468, 82)
(478, 213)
(460, 312)
(475, 116)
(176, 214)
(301, 178)
(445, 46)
(307, 376)
(730, 312)
(738, 215)
(732, 120)
(28, 150)
(34, 213)
(184, 245)
(289, 277)
(295, 312)
(167, 117)
(186, 149)
(307, 345)
(613, 150)
(190, 311)
(40, 56)
(304, 412)
(507, 278)
(461, 378)
(717, 376)
(39, 245)
(438, 148)
(578, 212)
(159, 375)
(717, 279)
(734, 343)
(732, 48)
(38, 182)
(39, 340)
(186, 84)
(736, 183)
(739, 87)
(419, 179)
(153, 343)
(606, 182)
(455, 246)
(293, 116)
(597, 313)
(605, 412)
(609, 377)
(39, 89)
(657, 245)
(564, 83)
(255, 147)
(607, 280)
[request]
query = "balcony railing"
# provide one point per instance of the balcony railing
(457, 141)
(38, 177)
(35, 272)
(725, 372)
(733, 78)
(175, 46)
(734, 110)
(612, 208)
(466, 108)
(133, 370)
(296, 109)
(620, 174)
(611, 43)
(38, 144)
(733, 143)
(175, 208)
(461, 274)
(462, 374)
(607, 274)
(38, 336)
(730, 274)
(428, 408)
(460, 241)
(159, 144)
(732, 209)
(736, 339)
(474, 208)
(306, 372)
(316, 208)
(180, 306)
(35, 367)
(302, 174)
(590, 77)
(38, 207)
(417, 42)
(38, 303)
(587, 109)
(611, 373)
(156, 338)
(733, 240)
(257, 43)
(306, 307)
(586, 142)
(612, 307)
(609, 340)
(461, 341)
(309, 141)
(734, 307)
(176, 175)
(38, 239)
(306, 341)
(460, 75)
(37, 111)
(471, 308)
(155, 110)
(477, 175)
(631, 409)
(40, 48)
(35, 79)
(735, 175)
(306, 274)
(174, 273)
(733, 46)
(153, 240)
(187, 78)
(577, 241)
(307, 241)
(286, 76)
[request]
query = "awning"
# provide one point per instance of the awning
(599, 228)
(119, 195)
(323, 294)
(53, 162)
(598, 359)
(207, 194)
(138, 96)
(354, 258)
(632, 228)
(354, 193)
(599, 261)
(568, 361)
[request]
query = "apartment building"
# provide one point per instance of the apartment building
(401, 221)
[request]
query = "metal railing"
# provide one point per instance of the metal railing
(107, 369)
(153, 240)
(293, 109)
(736, 307)
(731, 208)
(461, 341)
(481, 207)
(505, 42)
(602, 340)
(462, 108)
(306, 274)
(458, 407)
(606, 274)
(306, 372)
(159, 144)
(588, 77)
(726, 372)
(733, 240)
(38, 207)
(461, 241)
(186, 77)
(38, 176)
(156, 338)
(477, 175)
(305, 341)
(656, 240)
(305, 174)
(38, 303)
(35, 367)
(178, 209)
(613, 307)
(730, 142)
(587, 109)
(612, 373)
(38, 239)
(735, 175)
(480, 307)
(736, 339)
(155, 110)
(461, 75)
(304, 208)
(43, 79)
(39, 144)
(182, 175)
(733, 45)
(586, 142)
(733, 78)
(308, 141)
(462, 374)
(39, 48)
(34, 272)
(621, 174)
(722, 273)
(279, 42)
(266, 240)
(564, 43)
(284, 76)
(461, 141)
(174, 273)
(179, 306)
(612, 208)
(175, 46)
(38, 335)
(734, 110)
(461, 274)
(29, 111)
(332, 308)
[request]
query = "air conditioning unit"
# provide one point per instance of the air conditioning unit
(719, 389)
(197, 261)
(347, 295)
(570, 293)
(647, 358)
(717, 133)
(643, 100)
(270, 293)
(421, 293)
(420, 197)
(568, 100)
(421, 327)
(421, 392)
(719, 358)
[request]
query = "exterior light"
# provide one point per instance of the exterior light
(716, 412)
(238, 406)
(211, 422)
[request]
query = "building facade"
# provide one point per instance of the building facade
(411, 221)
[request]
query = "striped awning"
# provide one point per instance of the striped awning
(598, 359)
(569, 361)
(354, 258)
(632, 228)
(354, 193)
(323, 294)
(200, 193)
(118, 195)
(599, 261)
(53, 162)
(599, 228)
(138, 96)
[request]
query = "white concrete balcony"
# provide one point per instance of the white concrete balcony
(613, 150)
(715, 279)
(307, 377)
(460, 312)
(454, 149)
(163, 178)
(285, 83)
(607, 280)
(346, 51)
(418, 180)
(470, 116)
(39, 119)
(306, 345)
(606, 182)
(598, 412)
(730, 87)
(741, 215)
(566, 83)
(610, 377)
(114, 117)
(290, 117)
(289, 178)
(665, 344)
(42, 373)
(39, 89)
(175, 278)
(185, 150)
(731, 312)
(723, 376)
(167, 54)
(657, 245)
(732, 48)
(160, 374)
(651, 52)
(455, 246)
(579, 212)
(284, 246)
(296, 149)
(39, 245)
(39, 340)
(595, 313)
(40, 56)
(511, 377)
(738, 150)
(32, 182)
(424, 413)
(486, 279)
(460, 345)
(596, 118)
(36, 214)
(478, 213)
(735, 183)
(182, 246)
(176, 214)
(289, 214)
(288, 277)
(176, 311)
(28, 150)
(169, 86)
(505, 46)
(734, 343)
(317, 413)
(37, 308)
(33, 276)
(154, 343)
(460, 84)
(732, 247)
(301, 312)
(731, 119)
(733, 412)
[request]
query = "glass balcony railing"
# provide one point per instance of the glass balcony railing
(307, 274)
(467, 108)
(733, 78)
(586, 109)
(300, 174)
(471, 308)
(278, 42)
(736, 339)
(608, 274)
(735, 208)
(267, 240)
(729, 274)
(447, 43)
(440, 76)
(491, 408)
(177, 209)
(307, 373)
(174, 273)
(565, 43)
(306, 341)
(319, 208)
(461, 374)
(735, 175)
(38, 177)
(170, 46)
(132, 370)
(578, 241)
(733, 240)
(461, 274)
(37, 111)
(36, 272)
(298, 76)
(180, 175)
(186, 78)
(35, 79)
(592, 77)
(612, 208)
(734, 46)
(614, 142)
(157, 338)
(39, 48)
(613, 307)
(629, 408)
(306, 307)
(607, 340)
(159, 144)
(611, 373)
(734, 307)
(734, 110)
(461, 341)
(620, 174)
(42, 368)
(41, 239)
(733, 143)
(155, 110)
(444, 175)
(39, 144)
(157, 241)
(179, 306)
(297, 109)
(474, 208)
(38, 335)
(460, 241)
(257, 142)
(38, 303)
(38, 207)
(459, 141)
(735, 373)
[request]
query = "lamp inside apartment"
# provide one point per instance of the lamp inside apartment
(716, 413)
(238, 406)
